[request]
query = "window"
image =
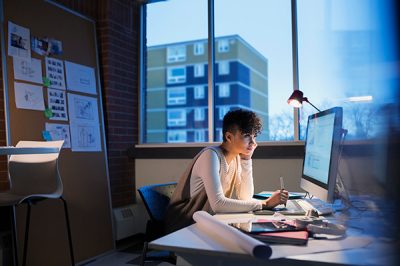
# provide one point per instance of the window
(176, 117)
(176, 53)
(199, 70)
(223, 46)
(349, 42)
(223, 68)
(176, 96)
(199, 92)
(176, 75)
(199, 114)
(199, 135)
(198, 48)
(224, 90)
(177, 136)
(222, 111)
(254, 54)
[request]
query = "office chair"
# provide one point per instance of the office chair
(156, 199)
(33, 178)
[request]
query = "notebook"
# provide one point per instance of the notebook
(272, 231)
(266, 195)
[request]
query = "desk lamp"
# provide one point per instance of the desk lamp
(296, 100)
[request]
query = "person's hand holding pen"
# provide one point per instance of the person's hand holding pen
(278, 197)
(282, 190)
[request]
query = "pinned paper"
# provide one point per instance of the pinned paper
(59, 132)
(27, 69)
(28, 96)
(57, 104)
(55, 73)
(18, 41)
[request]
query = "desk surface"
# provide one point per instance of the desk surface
(11, 150)
(196, 248)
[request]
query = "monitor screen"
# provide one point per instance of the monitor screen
(322, 146)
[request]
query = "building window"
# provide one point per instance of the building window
(199, 114)
(176, 96)
(176, 75)
(177, 136)
(223, 68)
(224, 90)
(176, 53)
(199, 70)
(223, 46)
(198, 48)
(199, 92)
(199, 135)
(176, 117)
(222, 111)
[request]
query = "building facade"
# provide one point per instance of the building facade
(176, 92)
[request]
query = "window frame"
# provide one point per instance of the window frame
(211, 74)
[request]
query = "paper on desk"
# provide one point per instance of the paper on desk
(211, 226)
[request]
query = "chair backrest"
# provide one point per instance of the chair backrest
(156, 198)
(36, 174)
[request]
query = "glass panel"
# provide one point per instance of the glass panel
(254, 55)
(343, 54)
(176, 70)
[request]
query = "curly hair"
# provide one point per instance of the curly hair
(246, 121)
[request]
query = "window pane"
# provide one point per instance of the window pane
(254, 56)
(343, 51)
(176, 72)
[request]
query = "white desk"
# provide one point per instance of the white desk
(193, 247)
(10, 150)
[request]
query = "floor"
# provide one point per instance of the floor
(128, 253)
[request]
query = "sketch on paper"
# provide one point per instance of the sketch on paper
(82, 108)
(28, 96)
(28, 69)
(85, 137)
(80, 78)
(59, 132)
(57, 104)
(55, 73)
(19, 43)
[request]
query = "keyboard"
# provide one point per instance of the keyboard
(301, 206)
(320, 206)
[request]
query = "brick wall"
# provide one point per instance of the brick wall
(118, 30)
(3, 141)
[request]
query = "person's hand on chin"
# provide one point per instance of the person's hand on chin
(248, 154)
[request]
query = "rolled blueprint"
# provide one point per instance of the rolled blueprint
(210, 225)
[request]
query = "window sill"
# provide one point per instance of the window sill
(265, 150)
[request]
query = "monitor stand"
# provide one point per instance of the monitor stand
(341, 193)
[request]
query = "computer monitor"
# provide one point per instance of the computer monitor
(322, 151)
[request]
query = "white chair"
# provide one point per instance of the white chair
(33, 178)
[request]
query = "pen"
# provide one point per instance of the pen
(282, 186)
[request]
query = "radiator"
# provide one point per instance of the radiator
(129, 220)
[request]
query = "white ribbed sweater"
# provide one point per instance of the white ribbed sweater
(212, 172)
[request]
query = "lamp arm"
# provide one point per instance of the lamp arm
(306, 100)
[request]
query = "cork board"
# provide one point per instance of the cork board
(84, 174)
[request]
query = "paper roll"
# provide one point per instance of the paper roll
(211, 226)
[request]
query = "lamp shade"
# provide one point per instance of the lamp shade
(296, 99)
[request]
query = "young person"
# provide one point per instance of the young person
(220, 178)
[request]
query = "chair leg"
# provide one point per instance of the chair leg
(28, 220)
(144, 252)
(71, 250)
(14, 235)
